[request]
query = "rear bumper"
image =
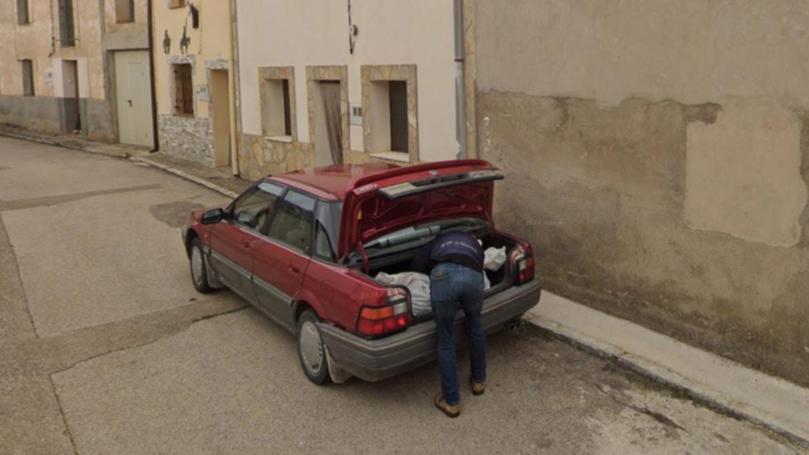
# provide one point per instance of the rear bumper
(374, 360)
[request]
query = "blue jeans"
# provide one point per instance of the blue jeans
(451, 285)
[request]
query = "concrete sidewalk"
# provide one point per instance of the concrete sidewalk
(722, 384)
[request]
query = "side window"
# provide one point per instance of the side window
(292, 223)
(327, 225)
(253, 208)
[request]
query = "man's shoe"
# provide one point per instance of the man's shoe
(478, 388)
(448, 409)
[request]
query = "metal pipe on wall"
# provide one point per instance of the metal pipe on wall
(460, 102)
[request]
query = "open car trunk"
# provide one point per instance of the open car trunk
(398, 260)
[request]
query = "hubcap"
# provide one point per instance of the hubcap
(196, 266)
(311, 347)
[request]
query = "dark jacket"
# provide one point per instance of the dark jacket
(456, 247)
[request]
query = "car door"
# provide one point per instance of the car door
(232, 239)
(281, 261)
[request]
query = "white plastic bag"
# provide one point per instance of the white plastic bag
(494, 258)
(419, 286)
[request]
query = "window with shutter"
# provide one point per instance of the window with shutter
(183, 90)
(23, 18)
(67, 33)
(124, 11)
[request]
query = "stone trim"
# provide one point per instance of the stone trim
(217, 64)
(378, 73)
(314, 74)
(182, 60)
(275, 73)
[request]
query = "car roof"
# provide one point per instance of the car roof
(332, 182)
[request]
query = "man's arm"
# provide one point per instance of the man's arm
(421, 262)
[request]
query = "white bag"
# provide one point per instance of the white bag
(494, 258)
(419, 286)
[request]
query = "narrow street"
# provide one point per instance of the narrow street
(105, 347)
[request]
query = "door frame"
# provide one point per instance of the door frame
(337, 73)
(218, 158)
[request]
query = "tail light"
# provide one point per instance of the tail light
(393, 317)
(522, 263)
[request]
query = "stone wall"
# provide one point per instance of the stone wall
(259, 157)
(666, 184)
(187, 138)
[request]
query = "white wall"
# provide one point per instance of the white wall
(303, 33)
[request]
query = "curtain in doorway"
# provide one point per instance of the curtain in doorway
(334, 119)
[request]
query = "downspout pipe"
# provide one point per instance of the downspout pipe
(149, 25)
(460, 101)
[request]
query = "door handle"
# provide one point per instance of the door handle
(294, 269)
(245, 244)
(130, 103)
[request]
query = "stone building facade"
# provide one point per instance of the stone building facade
(657, 156)
(58, 61)
(337, 82)
(193, 80)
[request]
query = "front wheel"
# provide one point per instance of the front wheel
(199, 269)
(311, 350)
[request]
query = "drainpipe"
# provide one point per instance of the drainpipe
(460, 102)
(149, 25)
(233, 82)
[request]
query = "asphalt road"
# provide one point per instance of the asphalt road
(105, 348)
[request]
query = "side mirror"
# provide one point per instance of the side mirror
(213, 216)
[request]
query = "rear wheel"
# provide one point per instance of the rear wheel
(311, 350)
(199, 270)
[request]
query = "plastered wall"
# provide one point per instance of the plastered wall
(315, 33)
(657, 157)
(96, 32)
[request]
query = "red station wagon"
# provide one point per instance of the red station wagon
(304, 248)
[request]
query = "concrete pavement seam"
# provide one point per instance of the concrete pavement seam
(185, 175)
(185, 327)
(64, 417)
(7, 241)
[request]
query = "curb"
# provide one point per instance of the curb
(656, 371)
(76, 145)
(184, 175)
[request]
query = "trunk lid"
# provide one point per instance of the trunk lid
(385, 202)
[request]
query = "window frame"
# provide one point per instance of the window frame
(27, 6)
(181, 111)
(67, 23)
(271, 220)
(28, 78)
(285, 77)
(130, 6)
(230, 209)
(376, 111)
(333, 258)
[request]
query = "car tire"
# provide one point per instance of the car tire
(311, 350)
(199, 269)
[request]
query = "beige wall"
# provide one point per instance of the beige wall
(34, 41)
(656, 156)
(276, 33)
(210, 42)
